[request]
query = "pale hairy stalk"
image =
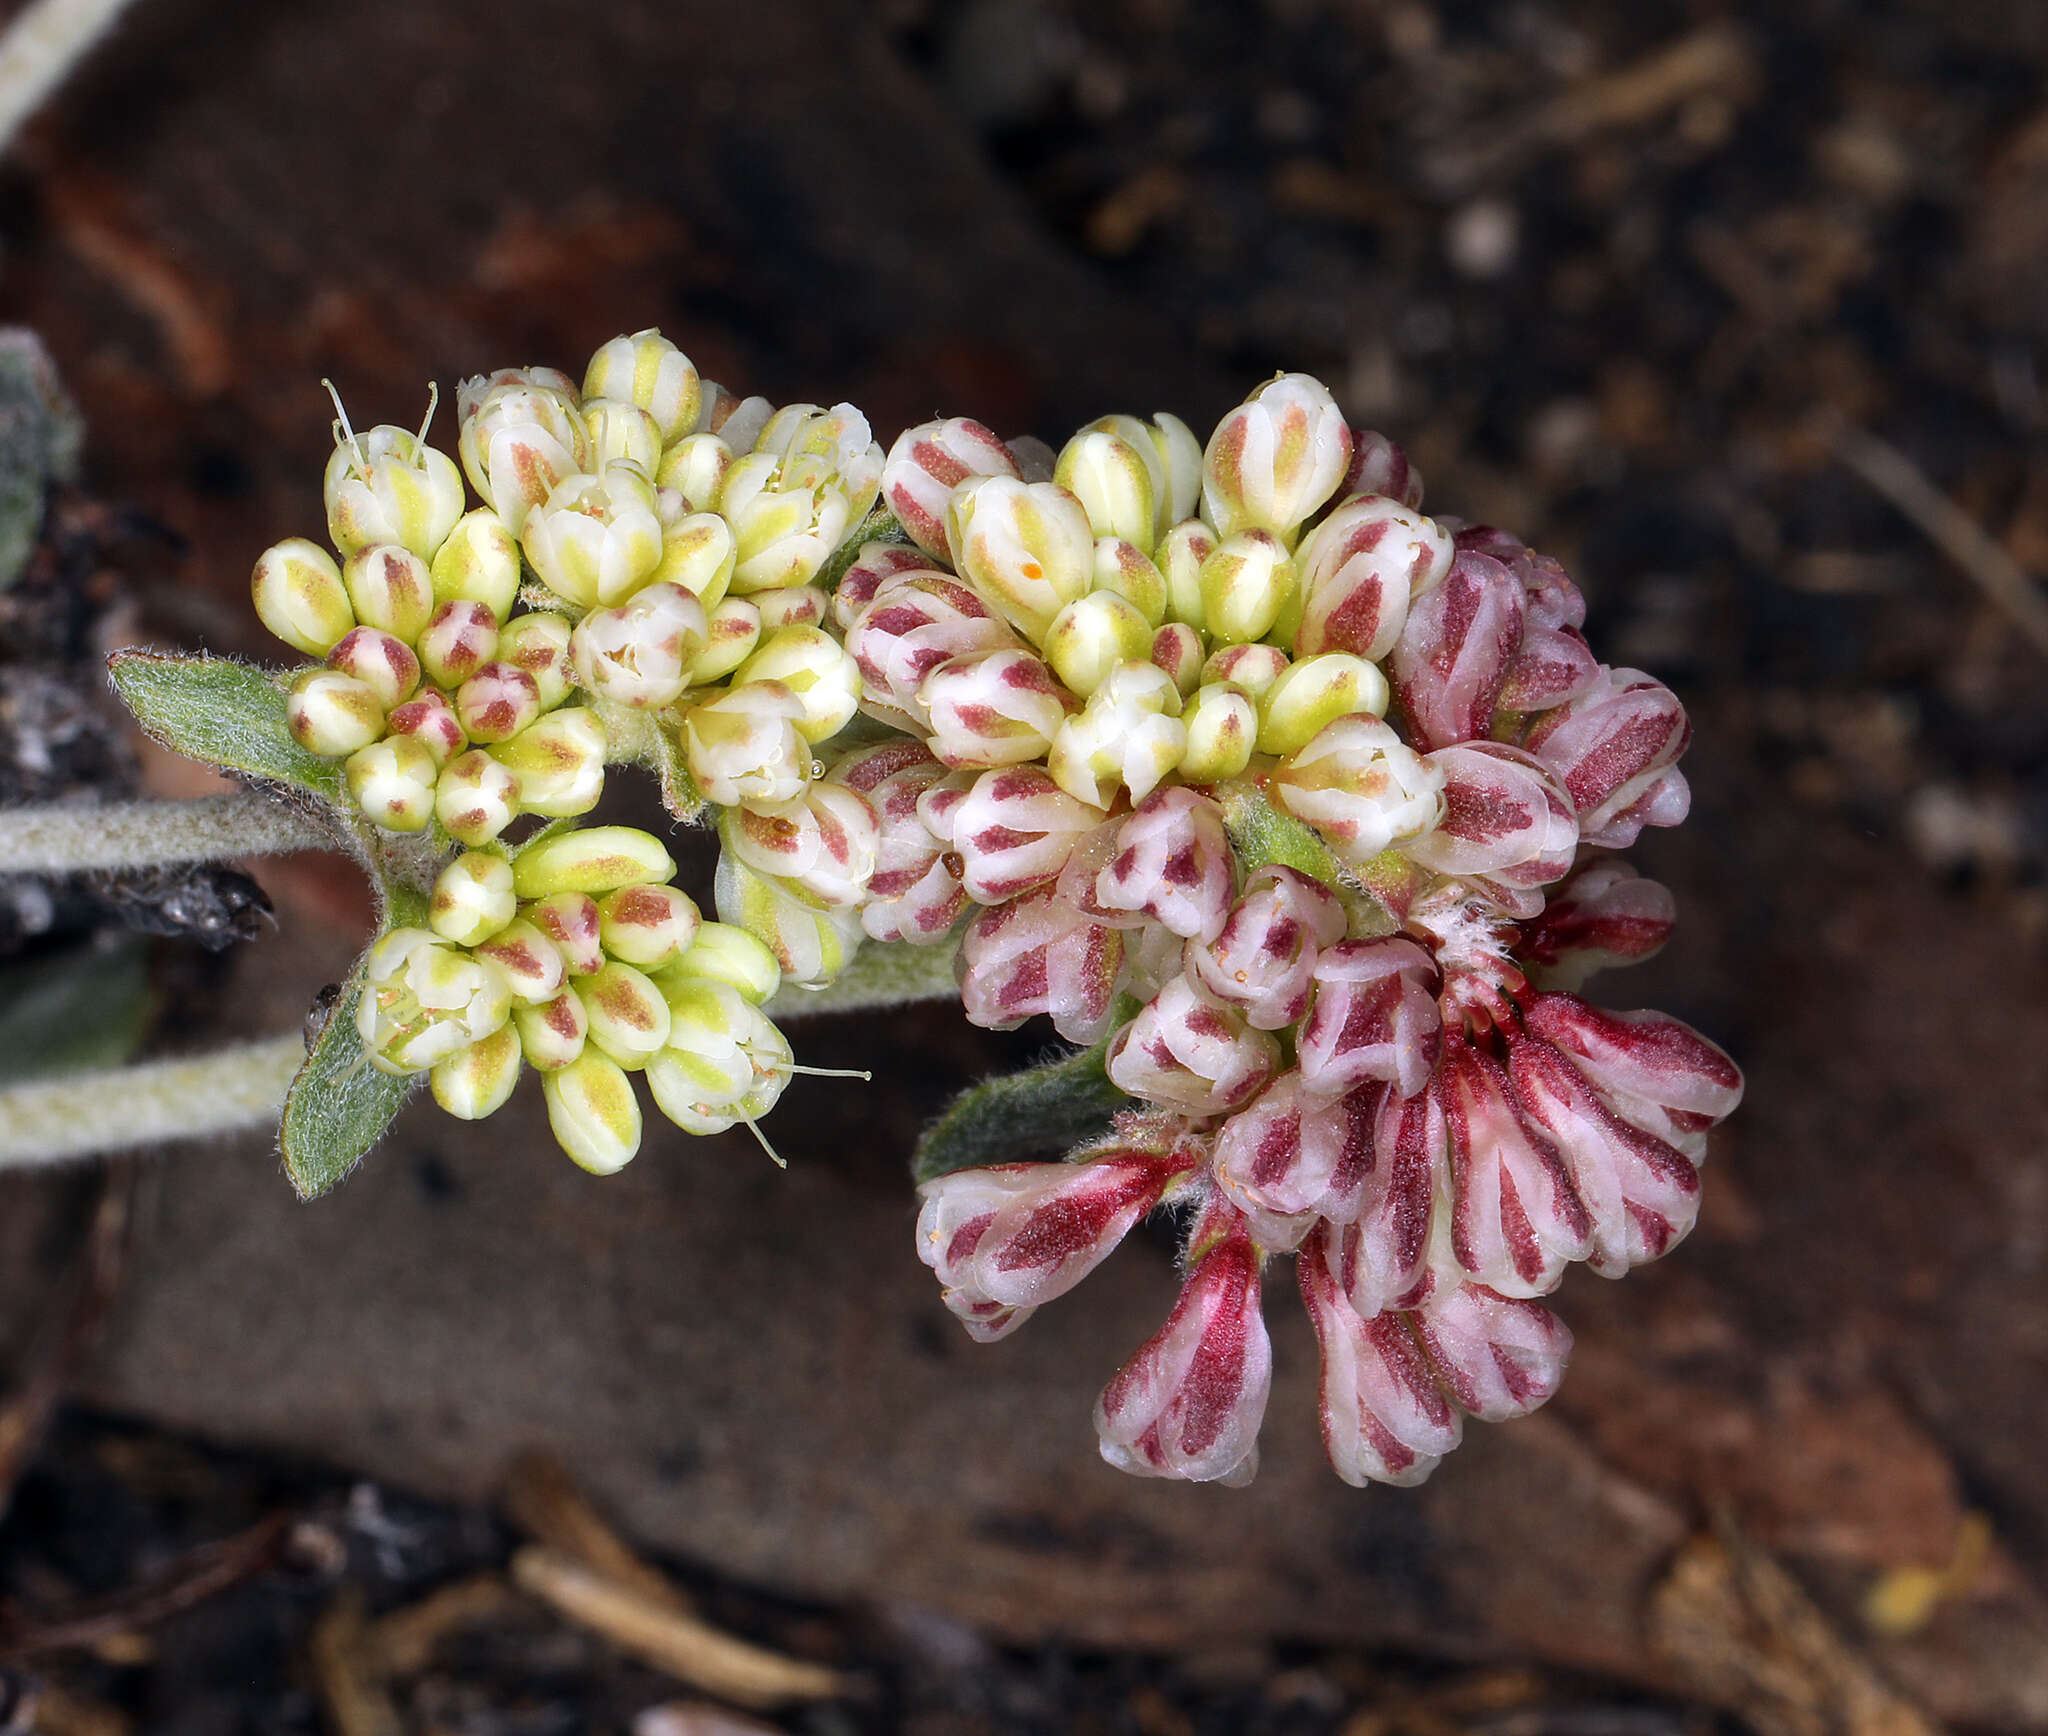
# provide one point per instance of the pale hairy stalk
(888, 974)
(83, 1114)
(63, 839)
(40, 48)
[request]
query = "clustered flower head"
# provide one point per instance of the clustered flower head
(1221, 755)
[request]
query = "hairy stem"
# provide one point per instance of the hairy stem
(62, 839)
(86, 1113)
(41, 46)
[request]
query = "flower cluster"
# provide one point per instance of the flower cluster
(1299, 805)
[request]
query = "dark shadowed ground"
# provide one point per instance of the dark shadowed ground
(1726, 306)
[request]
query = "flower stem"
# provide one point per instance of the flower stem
(82, 1114)
(42, 45)
(53, 839)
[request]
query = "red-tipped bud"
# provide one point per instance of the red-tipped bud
(924, 467)
(1452, 657)
(1264, 959)
(1038, 954)
(1015, 830)
(1191, 1053)
(1606, 914)
(1499, 1357)
(1171, 861)
(1375, 1018)
(1291, 1158)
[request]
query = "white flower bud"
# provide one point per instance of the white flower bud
(497, 702)
(552, 1032)
(1222, 724)
(647, 370)
(1183, 552)
(1250, 668)
(594, 1114)
(477, 1082)
(519, 443)
(332, 714)
(1173, 459)
(572, 924)
(423, 1001)
(431, 721)
(475, 798)
(479, 563)
(596, 540)
(648, 926)
(558, 761)
(1361, 786)
(1129, 733)
(1127, 571)
(724, 954)
(1316, 691)
(300, 596)
(622, 434)
(743, 746)
(811, 942)
(389, 587)
(816, 668)
(383, 486)
(1275, 458)
(1027, 547)
(393, 783)
(1000, 709)
(639, 653)
(725, 1061)
(797, 496)
(629, 1020)
(539, 645)
(1112, 479)
(384, 664)
(472, 898)
(791, 606)
(1092, 635)
(823, 843)
(457, 641)
(1177, 648)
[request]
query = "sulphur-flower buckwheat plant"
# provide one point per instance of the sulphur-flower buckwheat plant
(1296, 809)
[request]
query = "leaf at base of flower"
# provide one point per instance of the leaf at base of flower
(880, 525)
(226, 713)
(1027, 1114)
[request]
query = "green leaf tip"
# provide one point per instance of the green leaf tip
(1051, 1107)
(224, 713)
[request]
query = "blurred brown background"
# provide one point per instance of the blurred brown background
(1739, 310)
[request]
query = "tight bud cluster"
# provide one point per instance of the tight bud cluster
(1221, 755)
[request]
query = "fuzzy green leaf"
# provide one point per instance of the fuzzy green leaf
(224, 713)
(880, 525)
(1036, 1113)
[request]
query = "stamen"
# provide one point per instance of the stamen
(419, 440)
(354, 445)
(754, 1128)
(860, 1073)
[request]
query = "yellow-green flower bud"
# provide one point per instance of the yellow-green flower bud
(1127, 571)
(539, 645)
(725, 1062)
(597, 540)
(332, 714)
(628, 1018)
(695, 467)
(533, 964)
(594, 1114)
(811, 943)
(1177, 648)
(1183, 552)
(458, 641)
(479, 563)
(472, 898)
(816, 668)
(622, 434)
(648, 926)
(793, 499)
(390, 588)
(724, 954)
(552, 1033)
(697, 552)
(1092, 635)
(423, 1001)
(1173, 458)
(1221, 724)
(475, 798)
(732, 630)
(593, 859)
(647, 370)
(1252, 668)
(393, 782)
(1112, 479)
(382, 662)
(300, 596)
(476, 1083)
(1246, 585)
(559, 763)
(384, 486)
(1027, 547)
(1316, 691)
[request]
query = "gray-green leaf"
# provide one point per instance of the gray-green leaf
(1036, 1113)
(225, 713)
(83, 1008)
